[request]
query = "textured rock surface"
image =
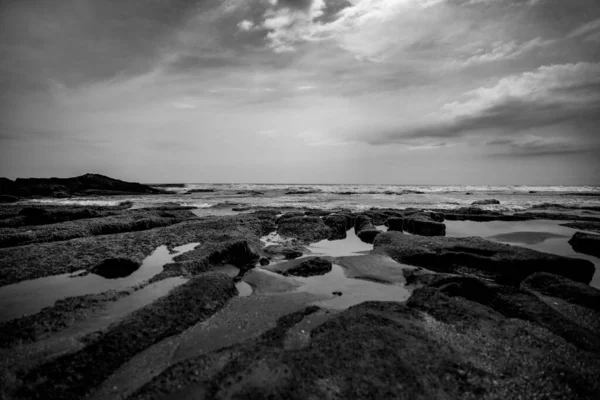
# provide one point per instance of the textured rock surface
(586, 243)
(566, 289)
(503, 263)
(485, 202)
(364, 228)
(311, 266)
(417, 224)
(73, 375)
(437, 346)
(306, 229)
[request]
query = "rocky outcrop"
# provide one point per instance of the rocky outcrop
(418, 224)
(563, 288)
(500, 262)
(310, 267)
(438, 345)
(479, 215)
(338, 226)
(126, 221)
(364, 229)
(84, 185)
(485, 202)
(586, 243)
(306, 229)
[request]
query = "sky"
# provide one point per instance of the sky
(482, 92)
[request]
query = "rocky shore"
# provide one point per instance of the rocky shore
(481, 319)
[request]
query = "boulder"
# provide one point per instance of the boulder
(310, 267)
(473, 255)
(365, 229)
(586, 243)
(563, 288)
(307, 229)
(337, 223)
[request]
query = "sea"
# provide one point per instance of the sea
(221, 198)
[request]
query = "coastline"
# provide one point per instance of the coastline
(497, 278)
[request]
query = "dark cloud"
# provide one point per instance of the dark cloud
(77, 41)
(561, 95)
(295, 4)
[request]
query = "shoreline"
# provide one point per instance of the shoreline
(440, 265)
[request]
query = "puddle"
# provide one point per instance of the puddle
(353, 291)
(31, 296)
(541, 235)
(349, 246)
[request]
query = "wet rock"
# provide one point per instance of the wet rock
(64, 313)
(289, 215)
(586, 226)
(515, 302)
(395, 224)
(479, 215)
(310, 267)
(418, 224)
(317, 213)
(306, 229)
(364, 228)
(5, 198)
(434, 347)
(503, 263)
(114, 268)
(73, 375)
(338, 225)
(77, 224)
(288, 252)
(264, 261)
(485, 202)
(373, 267)
(586, 243)
(566, 289)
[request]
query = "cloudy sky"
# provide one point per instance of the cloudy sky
(299, 91)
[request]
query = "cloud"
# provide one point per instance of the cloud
(537, 146)
(589, 29)
(550, 95)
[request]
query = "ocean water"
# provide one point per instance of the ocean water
(224, 197)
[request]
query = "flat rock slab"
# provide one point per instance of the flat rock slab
(374, 267)
(473, 255)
